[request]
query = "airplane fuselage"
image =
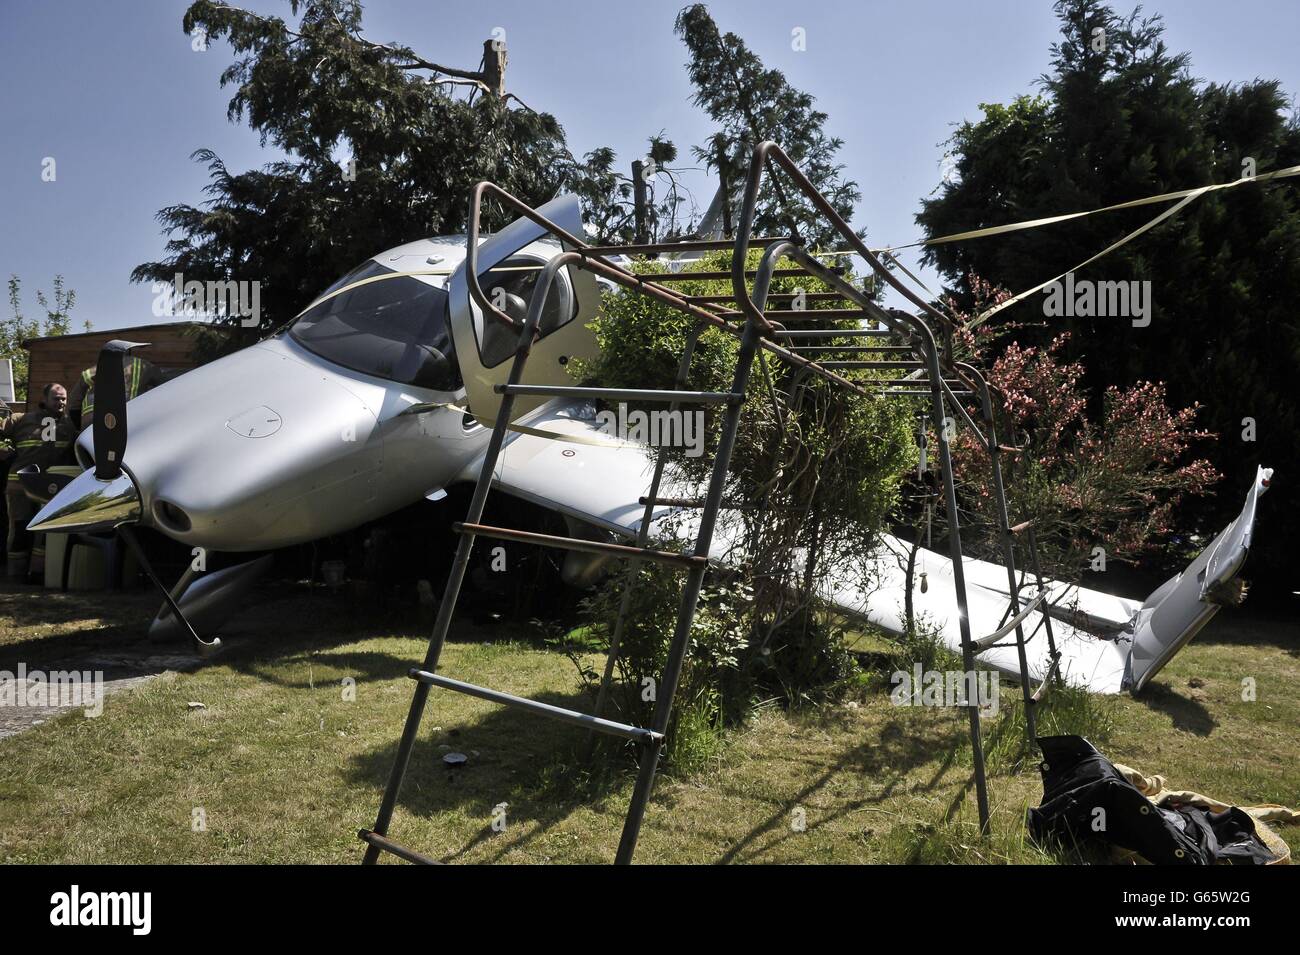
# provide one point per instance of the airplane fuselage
(273, 446)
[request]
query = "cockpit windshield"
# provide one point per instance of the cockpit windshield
(385, 324)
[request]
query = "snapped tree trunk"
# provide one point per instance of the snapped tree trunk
(494, 67)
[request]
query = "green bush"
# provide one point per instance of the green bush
(806, 662)
(719, 635)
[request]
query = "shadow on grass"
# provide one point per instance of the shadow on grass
(29, 604)
(73, 625)
(896, 751)
(271, 630)
(262, 654)
(536, 766)
(364, 666)
(1186, 714)
(541, 770)
(67, 647)
(284, 621)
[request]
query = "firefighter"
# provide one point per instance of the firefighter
(140, 376)
(42, 437)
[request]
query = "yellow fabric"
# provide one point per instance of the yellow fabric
(1192, 193)
(1173, 210)
(1154, 788)
(1185, 196)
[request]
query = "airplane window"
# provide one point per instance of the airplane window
(510, 287)
(394, 328)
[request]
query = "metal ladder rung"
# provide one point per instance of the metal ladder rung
(396, 848)
(814, 314)
(656, 277)
(772, 297)
(883, 382)
(872, 364)
(698, 503)
(685, 245)
(575, 543)
(834, 333)
(573, 717)
(848, 349)
(909, 382)
(623, 394)
(782, 316)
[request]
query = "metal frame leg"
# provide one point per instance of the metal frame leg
(450, 595)
(642, 539)
(1047, 618)
(1008, 547)
(959, 583)
(667, 689)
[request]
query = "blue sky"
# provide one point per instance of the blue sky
(113, 91)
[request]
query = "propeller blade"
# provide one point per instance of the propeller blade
(110, 408)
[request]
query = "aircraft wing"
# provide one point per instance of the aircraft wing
(559, 457)
(1088, 659)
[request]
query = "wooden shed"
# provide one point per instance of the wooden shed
(62, 358)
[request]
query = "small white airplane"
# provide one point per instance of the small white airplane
(358, 408)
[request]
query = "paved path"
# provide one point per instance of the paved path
(122, 670)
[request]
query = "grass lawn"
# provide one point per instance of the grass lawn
(281, 767)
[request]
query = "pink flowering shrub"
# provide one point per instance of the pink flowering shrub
(1115, 482)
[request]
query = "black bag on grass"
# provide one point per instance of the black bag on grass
(1086, 800)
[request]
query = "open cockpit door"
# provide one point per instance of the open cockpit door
(509, 264)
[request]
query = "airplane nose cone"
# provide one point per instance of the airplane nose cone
(89, 504)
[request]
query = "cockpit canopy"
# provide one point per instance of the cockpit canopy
(383, 323)
(408, 323)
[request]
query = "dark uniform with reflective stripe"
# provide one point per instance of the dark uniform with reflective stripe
(140, 376)
(43, 438)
